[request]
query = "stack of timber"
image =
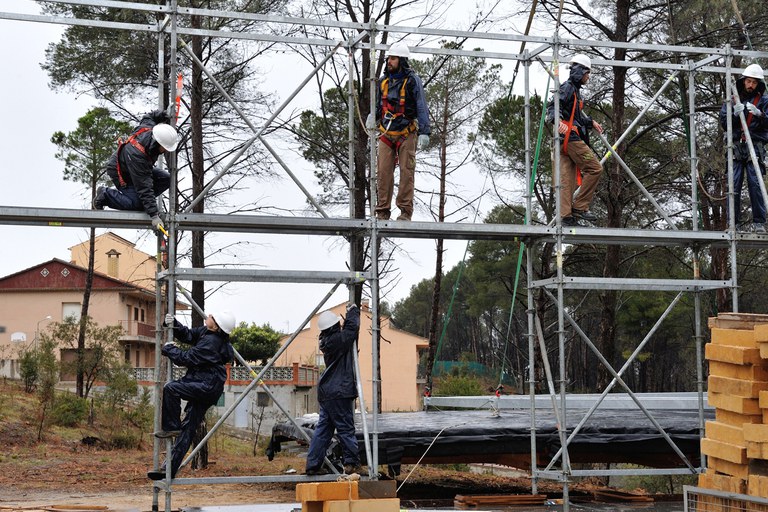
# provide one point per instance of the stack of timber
(498, 500)
(736, 443)
(348, 496)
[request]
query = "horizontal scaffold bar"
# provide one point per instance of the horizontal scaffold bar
(264, 275)
(605, 283)
(55, 217)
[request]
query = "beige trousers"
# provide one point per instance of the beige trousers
(385, 168)
(578, 155)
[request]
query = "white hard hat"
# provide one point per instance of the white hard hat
(166, 136)
(399, 50)
(224, 319)
(327, 319)
(753, 71)
(581, 60)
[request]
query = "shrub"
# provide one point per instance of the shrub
(29, 368)
(459, 385)
(68, 410)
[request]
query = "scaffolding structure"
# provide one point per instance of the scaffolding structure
(545, 51)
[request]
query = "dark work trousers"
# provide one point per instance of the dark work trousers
(173, 393)
(338, 415)
(126, 198)
(753, 187)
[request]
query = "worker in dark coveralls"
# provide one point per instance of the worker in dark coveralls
(336, 392)
(202, 385)
(132, 168)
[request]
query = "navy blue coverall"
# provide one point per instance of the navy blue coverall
(201, 387)
(336, 393)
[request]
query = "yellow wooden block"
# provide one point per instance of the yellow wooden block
(739, 404)
(725, 483)
(736, 419)
(728, 468)
(724, 432)
(763, 350)
(763, 399)
(756, 450)
(737, 320)
(757, 486)
(377, 505)
(765, 416)
(736, 387)
(761, 332)
(740, 371)
(323, 491)
(732, 354)
(311, 506)
(726, 451)
(736, 337)
(756, 433)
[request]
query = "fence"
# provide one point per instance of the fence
(697, 499)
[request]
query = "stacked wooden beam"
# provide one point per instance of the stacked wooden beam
(736, 443)
(498, 500)
(340, 497)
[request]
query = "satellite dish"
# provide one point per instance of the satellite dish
(18, 337)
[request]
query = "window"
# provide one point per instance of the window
(128, 353)
(70, 309)
(262, 399)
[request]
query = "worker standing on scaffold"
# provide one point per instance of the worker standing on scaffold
(132, 168)
(751, 88)
(576, 157)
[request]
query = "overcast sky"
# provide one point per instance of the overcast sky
(32, 177)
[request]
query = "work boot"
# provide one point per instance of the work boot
(759, 228)
(322, 470)
(570, 221)
(350, 469)
(159, 474)
(165, 434)
(98, 199)
(584, 215)
(404, 217)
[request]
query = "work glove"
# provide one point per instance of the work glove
(351, 306)
(168, 319)
(157, 224)
(754, 110)
(738, 109)
(423, 141)
(370, 122)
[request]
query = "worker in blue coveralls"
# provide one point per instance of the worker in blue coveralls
(336, 392)
(753, 104)
(201, 386)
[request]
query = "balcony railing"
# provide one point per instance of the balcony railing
(134, 328)
(297, 374)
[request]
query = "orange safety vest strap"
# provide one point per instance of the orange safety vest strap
(568, 135)
(387, 112)
(755, 101)
(133, 142)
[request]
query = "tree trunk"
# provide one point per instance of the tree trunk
(80, 380)
(608, 299)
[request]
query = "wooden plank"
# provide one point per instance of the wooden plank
(763, 350)
(725, 483)
(736, 387)
(741, 405)
(475, 500)
(736, 337)
(724, 432)
(323, 491)
(732, 354)
(725, 451)
(737, 320)
(726, 467)
(763, 399)
(740, 371)
(756, 450)
(613, 495)
(757, 486)
(756, 433)
(761, 332)
(375, 505)
(736, 419)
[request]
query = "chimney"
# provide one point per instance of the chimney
(113, 263)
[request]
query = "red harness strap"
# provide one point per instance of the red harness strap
(568, 135)
(755, 101)
(133, 142)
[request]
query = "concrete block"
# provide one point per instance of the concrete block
(736, 337)
(732, 354)
(324, 491)
(740, 371)
(725, 451)
(376, 505)
(736, 387)
(724, 432)
(736, 419)
(739, 404)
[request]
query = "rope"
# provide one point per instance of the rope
(425, 453)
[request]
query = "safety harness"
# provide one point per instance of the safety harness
(568, 133)
(389, 113)
(755, 101)
(133, 142)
